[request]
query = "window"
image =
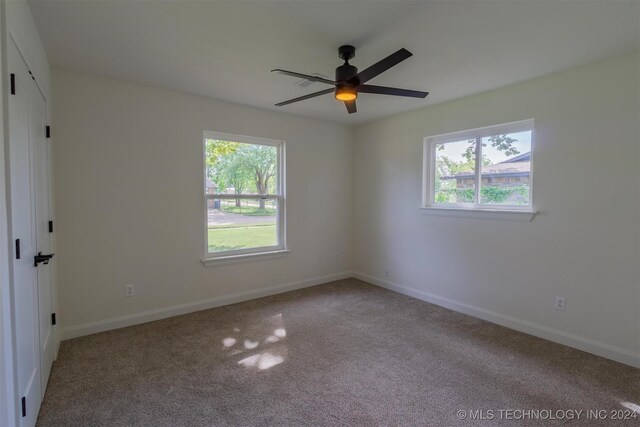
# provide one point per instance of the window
(244, 195)
(482, 169)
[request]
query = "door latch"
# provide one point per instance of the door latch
(44, 259)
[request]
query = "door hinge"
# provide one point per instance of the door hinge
(13, 84)
(24, 406)
(48, 131)
(53, 318)
(50, 226)
(17, 248)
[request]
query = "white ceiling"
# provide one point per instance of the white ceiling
(225, 49)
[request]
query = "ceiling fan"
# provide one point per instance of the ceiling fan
(349, 82)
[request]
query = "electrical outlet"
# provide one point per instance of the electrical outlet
(335, 256)
(129, 290)
(561, 303)
(387, 274)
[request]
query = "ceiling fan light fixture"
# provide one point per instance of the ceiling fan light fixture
(346, 93)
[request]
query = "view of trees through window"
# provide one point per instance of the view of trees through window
(242, 195)
(505, 169)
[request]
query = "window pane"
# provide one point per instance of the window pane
(238, 168)
(506, 168)
(455, 172)
(235, 224)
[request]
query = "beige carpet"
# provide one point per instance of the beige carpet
(343, 353)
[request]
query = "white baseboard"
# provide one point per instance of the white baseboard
(176, 310)
(581, 343)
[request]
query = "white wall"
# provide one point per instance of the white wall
(128, 191)
(584, 243)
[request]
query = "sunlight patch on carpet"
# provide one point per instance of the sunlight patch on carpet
(635, 408)
(261, 361)
(228, 342)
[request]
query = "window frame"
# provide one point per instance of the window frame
(429, 169)
(279, 196)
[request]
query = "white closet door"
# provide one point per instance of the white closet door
(24, 234)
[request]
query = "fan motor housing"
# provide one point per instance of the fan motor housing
(345, 72)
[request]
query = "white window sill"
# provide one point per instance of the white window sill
(238, 258)
(508, 214)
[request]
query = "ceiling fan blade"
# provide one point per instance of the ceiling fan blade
(302, 98)
(381, 66)
(384, 90)
(351, 106)
(304, 76)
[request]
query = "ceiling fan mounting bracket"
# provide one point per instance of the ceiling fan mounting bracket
(346, 52)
